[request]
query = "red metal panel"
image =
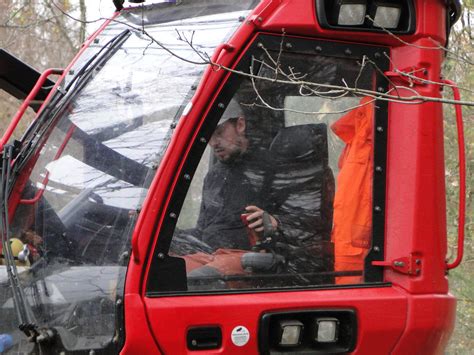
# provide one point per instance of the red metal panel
(138, 335)
(170, 317)
(415, 207)
(429, 325)
(415, 212)
(298, 17)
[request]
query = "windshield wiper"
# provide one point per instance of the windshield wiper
(26, 318)
(34, 133)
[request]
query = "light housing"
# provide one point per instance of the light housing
(350, 12)
(397, 16)
(387, 15)
(321, 331)
(291, 332)
(326, 330)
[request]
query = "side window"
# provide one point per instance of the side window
(282, 196)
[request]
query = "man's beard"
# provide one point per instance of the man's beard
(232, 157)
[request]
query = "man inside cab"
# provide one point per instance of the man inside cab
(234, 198)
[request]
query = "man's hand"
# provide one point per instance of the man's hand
(255, 219)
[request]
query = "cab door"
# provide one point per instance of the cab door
(253, 253)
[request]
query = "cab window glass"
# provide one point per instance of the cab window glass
(282, 196)
(86, 169)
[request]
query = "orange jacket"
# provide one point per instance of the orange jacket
(353, 199)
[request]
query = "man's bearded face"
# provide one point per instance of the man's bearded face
(228, 140)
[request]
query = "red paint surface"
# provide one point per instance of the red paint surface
(415, 315)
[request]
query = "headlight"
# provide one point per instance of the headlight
(350, 12)
(290, 332)
(398, 16)
(387, 15)
(326, 330)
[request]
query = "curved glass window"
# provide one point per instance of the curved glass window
(91, 161)
(282, 195)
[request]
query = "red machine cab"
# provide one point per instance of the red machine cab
(235, 178)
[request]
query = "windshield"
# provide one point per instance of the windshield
(87, 175)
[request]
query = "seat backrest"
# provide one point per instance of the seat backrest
(303, 183)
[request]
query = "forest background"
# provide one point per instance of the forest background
(39, 34)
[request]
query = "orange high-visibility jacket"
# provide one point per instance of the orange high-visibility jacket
(353, 199)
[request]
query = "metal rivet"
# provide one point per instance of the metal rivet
(288, 45)
(220, 105)
(187, 177)
(376, 248)
(202, 140)
(377, 55)
(260, 45)
(379, 129)
(71, 72)
(378, 169)
(418, 261)
(399, 263)
(172, 215)
(318, 49)
(347, 52)
(418, 271)
(380, 89)
(118, 302)
(161, 256)
(259, 19)
(173, 125)
(96, 40)
(378, 209)
(193, 87)
(194, 342)
(241, 18)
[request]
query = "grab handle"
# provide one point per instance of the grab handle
(462, 177)
(39, 84)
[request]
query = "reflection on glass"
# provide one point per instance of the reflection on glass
(90, 173)
(282, 196)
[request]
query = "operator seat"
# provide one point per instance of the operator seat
(302, 194)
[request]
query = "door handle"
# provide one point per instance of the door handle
(203, 338)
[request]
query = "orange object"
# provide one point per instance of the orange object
(353, 199)
(226, 261)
